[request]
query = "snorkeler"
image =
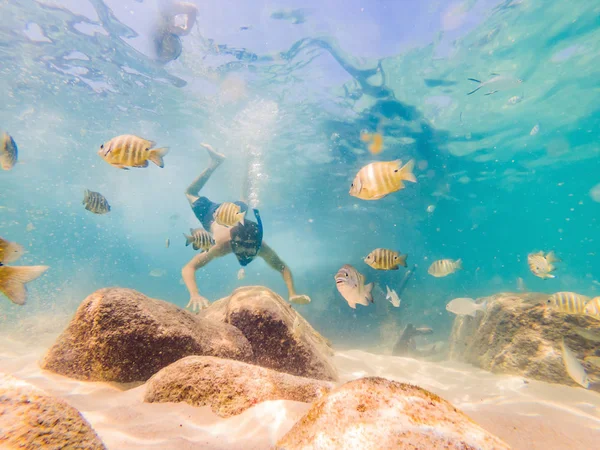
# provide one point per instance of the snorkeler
(176, 20)
(244, 240)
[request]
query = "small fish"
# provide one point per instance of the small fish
(10, 251)
(200, 239)
(131, 151)
(514, 100)
(376, 180)
(424, 330)
(384, 259)
(30, 227)
(168, 243)
(574, 367)
(431, 209)
(241, 274)
(497, 83)
(535, 130)
(246, 28)
(392, 297)
(465, 307)
(541, 265)
(158, 273)
(14, 278)
(9, 153)
(375, 140)
(521, 285)
(592, 308)
(229, 214)
(95, 202)
(444, 267)
(351, 284)
(568, 302)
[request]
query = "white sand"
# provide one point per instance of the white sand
(531, 415)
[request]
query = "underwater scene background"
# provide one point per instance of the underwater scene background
(285, 100)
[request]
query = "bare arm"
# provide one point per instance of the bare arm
(274, 261)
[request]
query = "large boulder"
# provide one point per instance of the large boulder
(378, 414)
(32, 419)
(281, 338)
(519, 334)
(122, 335)
(228, 387)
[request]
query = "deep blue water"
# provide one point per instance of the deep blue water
(292, 99)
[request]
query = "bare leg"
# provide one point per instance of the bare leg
(193, 190)
(274, 261)
(188, 273)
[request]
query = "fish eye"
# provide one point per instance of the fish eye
(102, 146)
(395, 257)
(346, 274)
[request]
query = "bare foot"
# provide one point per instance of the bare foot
(216, 157)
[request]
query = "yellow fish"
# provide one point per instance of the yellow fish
(568, 302)
(131, 151)
(378, 179)
(229, 214)
(444, 267)
(541, 265)
(9, 251)
(592, 308)
(384, 259)
(13, 279)
(8, 152)
(200, 239)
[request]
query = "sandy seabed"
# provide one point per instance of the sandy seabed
(526, 414)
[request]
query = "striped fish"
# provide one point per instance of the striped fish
(568, 302)
(95, 202)
(384, 259)
(541, 265)
(8, 152)
(131, 151)
(444, 267)
(592, 308)
(200, 239)
(229, 214)
(378, 179)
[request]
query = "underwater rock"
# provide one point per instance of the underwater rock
(520, 335)
(122, 335)
(281, 338)
(377, 414)
(228, 387)
(32, 419)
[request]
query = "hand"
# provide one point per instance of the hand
(197, 303)
(300, 299)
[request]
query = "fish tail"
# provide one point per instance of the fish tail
(368, 294)
(157, 154)
(458, 264)
(406, 172)
(402, 260)
(388, 294)
(241, 214)
(483, 306)
(188, 239)
(86, 195)
(13, 279)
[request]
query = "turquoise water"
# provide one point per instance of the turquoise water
(286, 102)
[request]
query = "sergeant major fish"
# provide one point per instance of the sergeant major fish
(444, 267)
(128, 150)
(9, 251)
(229, 214)
(384, 259)
(9, 152)
(95, 202)
(497, 83)
(351, 284)
(568, 302)
(592, 308)
(200, 239)
(541, 265)
(376, 180)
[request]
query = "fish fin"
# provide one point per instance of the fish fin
(475, 80)
(551, 257)
(402, 260)
(12, 283)
(188, 239)
(473, 91)
(156, 156)
(483, 306)
(368, 294)
(406, 172)
(142, 165)
(86, 195)
(192, 231)
(195, 247)
(549, 275)
(491, 92)
(458, 264)
(388, 294)
(242, 218)
(395, 267)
